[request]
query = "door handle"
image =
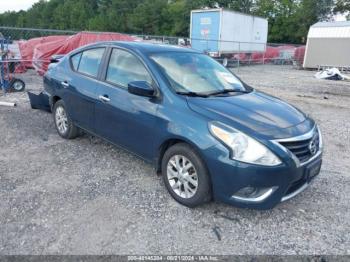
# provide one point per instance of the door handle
(104, 98)
(65, 84)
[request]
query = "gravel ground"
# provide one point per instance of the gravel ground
(88, 197)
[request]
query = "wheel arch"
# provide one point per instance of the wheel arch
(171, 142)
(54, 99)
(178, 140)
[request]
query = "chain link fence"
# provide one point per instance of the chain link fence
(234, 54)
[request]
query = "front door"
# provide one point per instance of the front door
(121, 117)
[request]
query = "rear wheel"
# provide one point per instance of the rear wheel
(64, 125)
(186, 176)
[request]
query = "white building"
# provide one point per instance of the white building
(328, 44)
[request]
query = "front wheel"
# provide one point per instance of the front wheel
(186, 176)
(64, 125)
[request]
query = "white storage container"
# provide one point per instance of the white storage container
(220, 31)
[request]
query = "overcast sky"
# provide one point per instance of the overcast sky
(15, 5)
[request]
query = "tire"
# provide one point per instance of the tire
(17, 85)
(64, 125)
(195, 180)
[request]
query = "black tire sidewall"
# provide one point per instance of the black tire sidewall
(203, 193)
(13, 83)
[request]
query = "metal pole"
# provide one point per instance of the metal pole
(2, 75)
(9, 104)
(264, 54)
(1, 67)
(239, 53)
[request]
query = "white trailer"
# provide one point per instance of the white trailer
(221, 32)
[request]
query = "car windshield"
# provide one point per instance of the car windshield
(194, 73)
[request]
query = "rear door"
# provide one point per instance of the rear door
(81, 86)
(121, 117)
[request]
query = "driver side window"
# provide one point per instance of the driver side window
(124, 68)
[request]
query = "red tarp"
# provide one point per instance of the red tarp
(27, 47)
(286, 47)
(270, 54)
(299, 55)
(44, 52)
(258, 57)
(242, 57)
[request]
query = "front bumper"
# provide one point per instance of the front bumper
(285, 181)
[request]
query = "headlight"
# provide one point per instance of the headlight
(244, 148)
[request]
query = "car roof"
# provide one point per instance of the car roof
(146, 47)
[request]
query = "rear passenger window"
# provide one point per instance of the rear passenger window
(90, 61)
(124, 68)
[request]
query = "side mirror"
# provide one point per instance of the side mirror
(56, 58)
(141, 88)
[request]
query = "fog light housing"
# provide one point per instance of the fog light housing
(254, 194)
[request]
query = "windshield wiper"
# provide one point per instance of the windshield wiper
(227, 91)
(221, 92)
(192, 94)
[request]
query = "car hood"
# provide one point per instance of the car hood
(255, 112)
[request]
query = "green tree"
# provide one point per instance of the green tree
(149, 17)
(175, 18)
(114, 15)
(343, 7)
(289, 20)
(309, 13)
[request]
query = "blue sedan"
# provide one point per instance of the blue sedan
(208, 133)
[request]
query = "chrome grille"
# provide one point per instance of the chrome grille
(303, 149)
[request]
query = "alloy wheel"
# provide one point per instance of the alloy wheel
(61, 120)
(182, 176)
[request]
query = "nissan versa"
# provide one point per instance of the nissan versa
(209, 134)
